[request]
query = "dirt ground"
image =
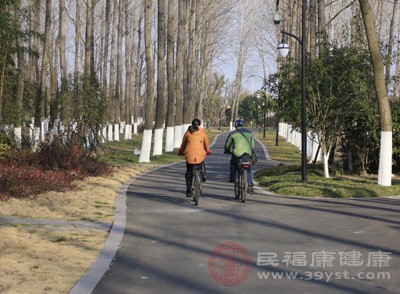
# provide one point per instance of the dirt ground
(48, 258)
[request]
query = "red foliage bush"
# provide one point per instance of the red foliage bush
(23, 181)
(52, 168)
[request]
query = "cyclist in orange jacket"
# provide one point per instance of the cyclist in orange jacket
(195, 146)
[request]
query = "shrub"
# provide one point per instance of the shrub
(53, 167)
(23, 181)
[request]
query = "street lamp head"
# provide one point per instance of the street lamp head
(283, 49)
(277, 17)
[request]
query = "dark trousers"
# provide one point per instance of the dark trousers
(189, 173)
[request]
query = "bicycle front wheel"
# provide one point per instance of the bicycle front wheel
(197, 188)
(244, 186)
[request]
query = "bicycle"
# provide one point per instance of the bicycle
(242, 170)
(195, 189)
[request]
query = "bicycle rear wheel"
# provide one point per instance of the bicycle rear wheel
(237, 185)
(244, 185)
(196, 187)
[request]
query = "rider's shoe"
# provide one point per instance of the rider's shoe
(189, 193)
(250, 190)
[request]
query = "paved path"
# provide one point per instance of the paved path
(168, 245)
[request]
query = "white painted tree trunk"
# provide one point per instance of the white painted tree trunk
(231, 125)
(146, 146)
(178, 136)
(44, 129)
(169, 139)
(184, 129)
(135, 127)
(110, 133)
(116, 132)
(36, 137)
(385, 160)
(18, 136)
(326, 165)
(158, 141)
(104, 134)
(128, 132)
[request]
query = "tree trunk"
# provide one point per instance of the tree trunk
(33, 68)
(138, 76)
(118, 86)
(187, 112)
(169, 143)
(54, 65)
(88, 38)
(148, 124)
(128, 62)
(160, 106)
(180, 55)
(241, 59)
(77, 36)
(396, 83)
(321, 25)
(41, 110)
(106, 45)
(21, 72)
(62, 36)
(390, 43)
(111, 87)
(189, 102)
(385, 159)
(63, 58)
(312, 45)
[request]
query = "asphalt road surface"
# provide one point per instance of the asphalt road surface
(270, 244)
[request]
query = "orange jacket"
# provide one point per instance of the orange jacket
(195, 146)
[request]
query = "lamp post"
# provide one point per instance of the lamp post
(258, 105)
(264, 112)
(283, 49)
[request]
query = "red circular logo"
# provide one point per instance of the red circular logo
(229, 264)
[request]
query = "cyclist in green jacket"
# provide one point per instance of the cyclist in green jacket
(240, 141)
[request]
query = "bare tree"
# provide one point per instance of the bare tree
(187, 116)
(128, 61)
(119, 85)
(396, 83)
(62, 38)
(160, 105)
(148, 124)
(191, 97)
(89, 44)
(385, 160)
(63, 56)
(241, 59)
(77, 35)
(21, 71)
(106, 43)
(41, 110)
(180, 56)
(111, 86)
(389, 55)
(170, 122)
(34, 24)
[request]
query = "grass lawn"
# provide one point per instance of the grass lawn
(286, 179)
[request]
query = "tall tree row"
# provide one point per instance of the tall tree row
(335, 24)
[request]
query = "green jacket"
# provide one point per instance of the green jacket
(237, 144)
